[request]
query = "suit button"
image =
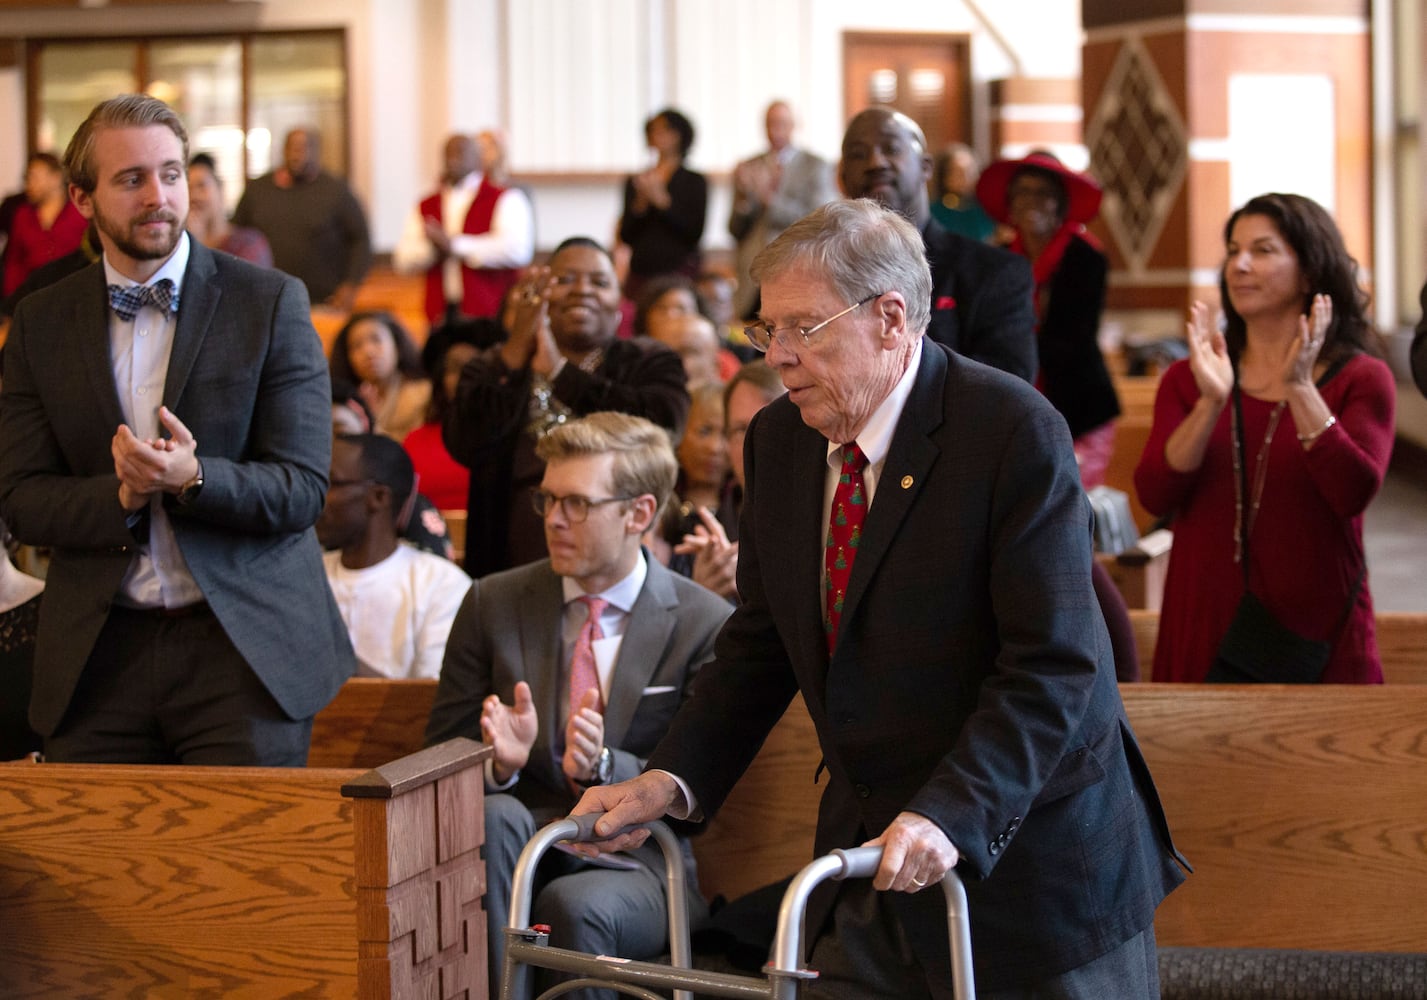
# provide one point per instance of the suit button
(863, 792)
(847, 720)
(993, 848)
(1014, 825)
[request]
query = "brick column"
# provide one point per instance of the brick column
(1160, 80)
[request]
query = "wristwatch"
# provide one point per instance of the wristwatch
(604, 768)
(189, 491)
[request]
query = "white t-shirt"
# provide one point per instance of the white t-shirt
(398, 612)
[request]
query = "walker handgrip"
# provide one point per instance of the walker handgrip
(857, 862)
(585, 828)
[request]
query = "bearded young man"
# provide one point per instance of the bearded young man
(188, 618)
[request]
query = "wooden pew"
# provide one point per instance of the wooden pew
(1140, 571)
(1300, 808)
(764, 832)
(1401, 642)
(1131, 434)
(244, 882)
(456, 527)
(1136, 394)
(371, 721)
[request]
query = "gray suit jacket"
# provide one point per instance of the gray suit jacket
(806, 184)
(248, 378)
(508, 630)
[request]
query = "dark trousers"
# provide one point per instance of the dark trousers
(164, 688)
(867, 956)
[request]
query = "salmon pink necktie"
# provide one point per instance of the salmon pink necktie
(583, 673)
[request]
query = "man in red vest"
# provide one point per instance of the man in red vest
(470, 237)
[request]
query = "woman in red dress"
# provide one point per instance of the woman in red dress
(1317, 415)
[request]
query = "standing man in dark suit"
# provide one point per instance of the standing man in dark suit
(982, 297)
(187, 617)
(951, 654)
(512, 678)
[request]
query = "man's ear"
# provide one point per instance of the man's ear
(82, 200)
(892, 310)
(642, 511)
(379, 499)
(841, 187)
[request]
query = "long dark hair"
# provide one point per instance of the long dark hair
(408, 356)
(1326, 265)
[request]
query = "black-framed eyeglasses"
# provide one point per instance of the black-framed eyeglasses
(575, 507)
(761, 335)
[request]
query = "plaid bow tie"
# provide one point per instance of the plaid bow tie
(127, 300)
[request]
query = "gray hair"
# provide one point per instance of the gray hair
(861, 249)
(124, 111)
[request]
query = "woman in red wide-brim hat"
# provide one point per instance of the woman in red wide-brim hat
(1048, 204)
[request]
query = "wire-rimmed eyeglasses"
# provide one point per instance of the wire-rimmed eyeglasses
(761, 335)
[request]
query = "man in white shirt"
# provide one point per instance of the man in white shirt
(471, 237)
(571, 668)
(397, 601)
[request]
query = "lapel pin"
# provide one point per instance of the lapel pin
(906, 482)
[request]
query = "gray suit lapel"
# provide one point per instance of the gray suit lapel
(197, 304)
(909, 462)
(645, 637)
(541, 610)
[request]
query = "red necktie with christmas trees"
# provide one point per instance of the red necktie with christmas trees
(844, 533)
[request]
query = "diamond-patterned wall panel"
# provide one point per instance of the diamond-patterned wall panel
(1138, 152)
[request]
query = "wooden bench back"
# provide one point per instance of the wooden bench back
(1300, 807)
(456, 527)
(235, 881)
(1136, 394)
(370, 722)
(1131, 434)
(764, 832)
(1401, 642)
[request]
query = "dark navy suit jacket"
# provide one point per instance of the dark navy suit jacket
(973, 679)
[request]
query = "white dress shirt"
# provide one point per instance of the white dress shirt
(139, 351)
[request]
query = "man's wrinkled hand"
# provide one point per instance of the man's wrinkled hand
(916, 853)
(628, 803)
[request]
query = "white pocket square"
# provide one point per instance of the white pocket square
(659, 689)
